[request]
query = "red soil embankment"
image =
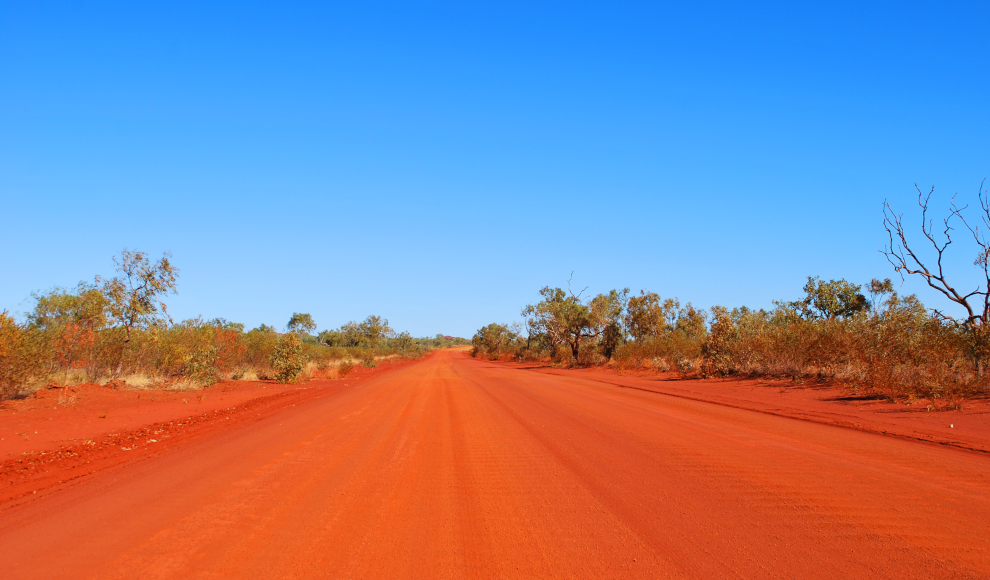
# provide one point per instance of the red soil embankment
(65, 416)
(60, 434)
(967, 427)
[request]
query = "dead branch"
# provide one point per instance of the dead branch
(571, 292)
(904, 259)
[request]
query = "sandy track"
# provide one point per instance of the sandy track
(453, 468)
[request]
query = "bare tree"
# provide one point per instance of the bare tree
(905, 259)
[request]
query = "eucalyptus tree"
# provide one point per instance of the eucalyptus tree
(300, 323)
(607, 311)
(561, 318)
(134, 296)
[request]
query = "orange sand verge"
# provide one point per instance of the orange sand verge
(60, 434)
(967, 428)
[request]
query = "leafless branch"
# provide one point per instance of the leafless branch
(983, 257)
(571, 292)
(904, 259)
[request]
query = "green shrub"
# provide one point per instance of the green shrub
(287, 360)
(494, 340)
(202, 366)
(368, 358)
(717, 349)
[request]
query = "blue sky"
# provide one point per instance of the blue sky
(438, 163)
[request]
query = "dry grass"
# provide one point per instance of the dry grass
(323, 370)
(246, 375)
(142, 382)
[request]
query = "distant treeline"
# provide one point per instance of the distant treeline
(883, 343)
(119, 330)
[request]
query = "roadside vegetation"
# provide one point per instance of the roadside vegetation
(868, 338)
(118, 332)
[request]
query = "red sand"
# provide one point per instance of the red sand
(40, 423)
(58, 435)
(967, 428)
(452, 467)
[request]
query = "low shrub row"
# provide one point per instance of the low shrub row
(112, 330)
(885, 344)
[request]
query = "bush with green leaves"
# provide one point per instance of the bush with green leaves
(287, 359)
(717, 348)
(368, 359)
(202, 366)
(301, 323)
(494, 340)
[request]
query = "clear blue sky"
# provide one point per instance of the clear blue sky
(438, 163)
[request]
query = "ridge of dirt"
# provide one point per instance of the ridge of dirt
(35, 472)
(967, 428)
(46, 469)
(55, 417)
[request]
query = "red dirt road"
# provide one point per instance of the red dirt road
(457, 468)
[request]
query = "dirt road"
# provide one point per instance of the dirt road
(457, 468)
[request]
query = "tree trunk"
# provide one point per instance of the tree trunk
(123, 349)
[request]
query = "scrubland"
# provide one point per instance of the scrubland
(871, 340)
(895, 349)
(118, 332)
